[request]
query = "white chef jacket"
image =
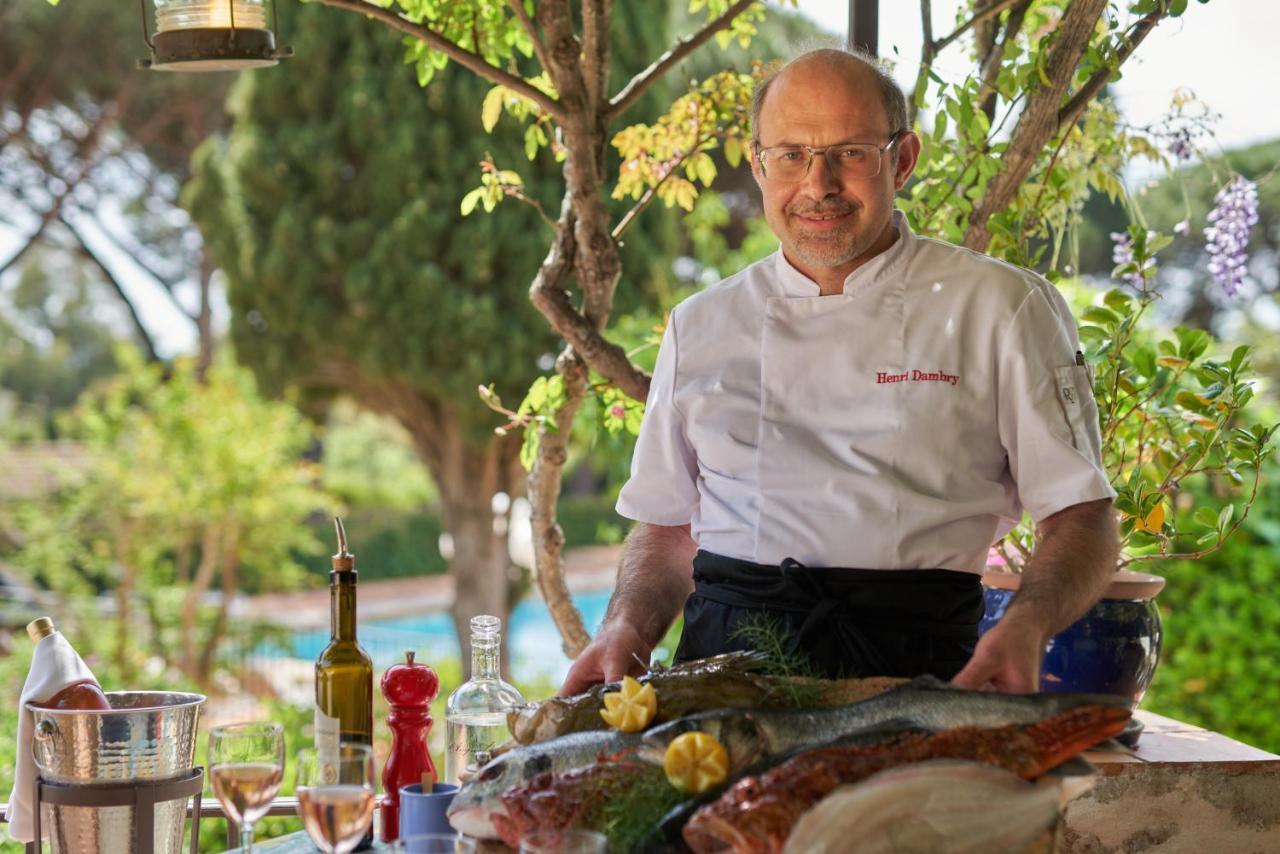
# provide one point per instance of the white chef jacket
(902, 424)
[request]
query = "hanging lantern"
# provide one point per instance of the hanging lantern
(212, 35)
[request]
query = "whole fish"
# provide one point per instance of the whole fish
(480, 799)
(666, 833)
(925, 702)
(939, 805)
(694, 687)
(758, 813)
(593, 797)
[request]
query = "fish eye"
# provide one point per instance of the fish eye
(490, 772)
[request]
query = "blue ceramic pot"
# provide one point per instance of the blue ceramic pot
(1112, 649)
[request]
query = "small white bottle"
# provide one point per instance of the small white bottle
(476, 712)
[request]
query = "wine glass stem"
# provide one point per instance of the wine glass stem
(246, 836)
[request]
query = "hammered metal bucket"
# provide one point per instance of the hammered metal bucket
(146, 735)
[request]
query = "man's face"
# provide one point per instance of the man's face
(827, 220)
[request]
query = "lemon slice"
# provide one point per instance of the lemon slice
(631, 708)
(695, 762)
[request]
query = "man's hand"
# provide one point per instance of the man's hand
(1069, 571)
(1007, 659)
(617, 651)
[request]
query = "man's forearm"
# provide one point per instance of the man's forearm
(655, 576)
(1070, 569)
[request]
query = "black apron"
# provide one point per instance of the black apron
(847, 622)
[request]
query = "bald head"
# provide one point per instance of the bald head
(811, 70)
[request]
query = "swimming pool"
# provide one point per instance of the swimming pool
(534, 644)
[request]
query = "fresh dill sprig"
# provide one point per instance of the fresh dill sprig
(632, 811)
(769, 635)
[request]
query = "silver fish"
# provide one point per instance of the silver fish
(479, 799)
(924, 702)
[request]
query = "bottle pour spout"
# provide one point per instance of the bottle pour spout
(343, 560)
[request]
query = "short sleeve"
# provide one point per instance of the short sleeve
(1048, 416)
(663, 487)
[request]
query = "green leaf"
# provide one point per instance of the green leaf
(470, 200)
(1224, 518)
(1118, 300)
(1238, 356)
(1177, 7)
(491, 110)
(1206, 517)
(1187, 400)
(1144, 360)
(733, 151)
(1213, 391)
(706, 169)
(529, 448)
(1102, 316)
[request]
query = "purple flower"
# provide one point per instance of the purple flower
(1122, 254)
(1234, 214)
(1180, 144)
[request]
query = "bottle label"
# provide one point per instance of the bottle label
(327, 737)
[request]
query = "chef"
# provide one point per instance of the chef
(835, 436)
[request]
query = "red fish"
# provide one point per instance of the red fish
(758, 812)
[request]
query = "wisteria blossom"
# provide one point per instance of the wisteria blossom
(1234, 214)
(1181, 144)
(1122, 253)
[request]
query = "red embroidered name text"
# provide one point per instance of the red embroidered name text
(883, 377)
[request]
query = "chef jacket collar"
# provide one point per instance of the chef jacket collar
(893, 260)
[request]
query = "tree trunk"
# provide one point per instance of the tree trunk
(211, 548)
(230, 564)
(204, 318)
(468, 477)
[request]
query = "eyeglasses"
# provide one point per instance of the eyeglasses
(790, 163)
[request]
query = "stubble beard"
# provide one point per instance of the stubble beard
(834, 248)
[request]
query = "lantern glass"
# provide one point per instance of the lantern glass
(173, 15)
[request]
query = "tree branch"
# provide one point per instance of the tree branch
(86, 151)
(595, 49)
(650, 193)
(1039, 120)
(544, 494)
(83, 247)
(991, 65)
(926, 60)
(549, 295)
(969, 24)
(539, 47)
(1070, 113)
(471, 61)
(135, 254)
(642, 81)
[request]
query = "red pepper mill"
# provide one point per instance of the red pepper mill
(409, 689)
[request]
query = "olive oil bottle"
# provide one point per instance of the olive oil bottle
(344, 671)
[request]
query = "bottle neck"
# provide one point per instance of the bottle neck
(342, 606)
(484, 657)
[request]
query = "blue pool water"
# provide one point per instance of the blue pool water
(534, 644)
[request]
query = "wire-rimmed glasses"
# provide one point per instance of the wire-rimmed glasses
(789, 164)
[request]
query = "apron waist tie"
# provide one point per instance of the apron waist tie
(846, 621)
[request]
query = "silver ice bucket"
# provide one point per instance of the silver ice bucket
(146, 736)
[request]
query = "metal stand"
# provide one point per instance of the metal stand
(142, 795)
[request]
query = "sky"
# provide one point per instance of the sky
(1223, 51)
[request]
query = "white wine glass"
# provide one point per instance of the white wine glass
(336, 795)
(246, 765)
